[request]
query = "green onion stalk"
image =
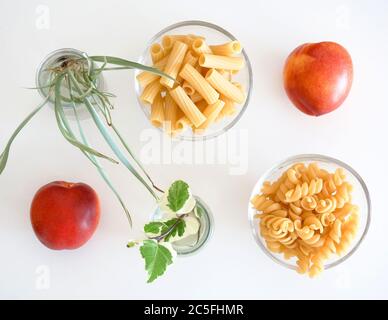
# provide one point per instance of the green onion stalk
(73, 81)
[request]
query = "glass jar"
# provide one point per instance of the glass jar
(193, 243)
(44, 77)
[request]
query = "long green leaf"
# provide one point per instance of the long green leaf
(108, 118)
(100, 169)
(129, 64)
(59, 114)
(5, 154)
(100, 125)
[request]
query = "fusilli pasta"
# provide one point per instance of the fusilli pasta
(307, 214)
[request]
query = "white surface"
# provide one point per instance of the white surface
(232, 265)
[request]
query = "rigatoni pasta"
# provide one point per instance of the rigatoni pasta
(211, 113)
(189, 89)
(204, 90)
(174, 63)
(187, 106)
(227, 49)
(224, 86)
(157, 52)
(151, 91)
(199, 46)
(157, 111)
(171, 113)
(145, 78)
(196, 97)
(220, 62)
(195, 79)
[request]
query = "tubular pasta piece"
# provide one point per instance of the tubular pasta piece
(150, 92)
(196, 97)
(195, 79)
(187, 106)
(224, 86)
(170, 114)
(174, 63)
(157, 52)
(188, 88)
(157, 111)
(227, 49)
(199, 46)
(213, 61)
(211, 112)
(145, 77)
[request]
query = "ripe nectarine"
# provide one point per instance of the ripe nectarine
(65, 215)
(318, 76)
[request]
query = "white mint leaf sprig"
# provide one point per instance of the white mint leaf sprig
(176, 204)
(157, 257)
(177, 200)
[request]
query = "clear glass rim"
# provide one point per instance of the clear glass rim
(310, 157)
(207, 236)
(39, 70)
(247, 61)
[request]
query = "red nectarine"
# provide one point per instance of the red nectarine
(318, 76)
(65, 215)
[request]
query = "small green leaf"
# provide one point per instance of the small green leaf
(176, 226)
(157, 257)
(153, 227)
(178, 194)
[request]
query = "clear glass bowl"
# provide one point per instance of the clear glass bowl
(204, 234)
(360, 197)
(214, 35)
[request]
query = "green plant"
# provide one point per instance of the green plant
(73, 82)
(182, 214)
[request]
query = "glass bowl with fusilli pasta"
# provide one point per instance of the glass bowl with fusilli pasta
(213, 81)
(310, 213)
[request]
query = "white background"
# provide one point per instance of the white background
(231, 265)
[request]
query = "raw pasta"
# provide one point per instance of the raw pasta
(195, 79)
(211, 112)
(221, 62)
(151, 91)
(227, 49)
(174, 63)
(157, 111)
(200, 94)
(300, 215)
(157, 52)
(224, 86)
(199, 46)
(171, 113)
(187, 106)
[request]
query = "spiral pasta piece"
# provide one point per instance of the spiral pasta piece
(304, 189)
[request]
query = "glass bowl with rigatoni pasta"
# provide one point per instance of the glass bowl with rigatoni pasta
(310, 213)
(209, 86)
